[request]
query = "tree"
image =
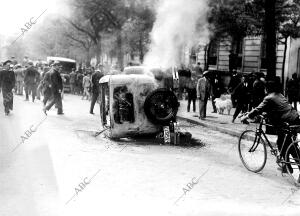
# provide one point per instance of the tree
(98, 17)
(136, 31)
(289, 28)
(232, 18)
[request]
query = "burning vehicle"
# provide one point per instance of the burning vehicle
(138, 102)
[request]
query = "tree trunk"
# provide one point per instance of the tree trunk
(88, 57)
(283, 63)
(270, 33)
(99, 51)
(141, 48)
(120, 50)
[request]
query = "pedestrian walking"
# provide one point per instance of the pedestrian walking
(39, 84)
(203, 92)
(19, 73)
(192, 93)
(31, 80)
(258, 91)
(293, 90)
(86, 83)
(46, 86)
(56, 89)
(7, 83)
(79, 79)
(96, 76)
(73, 81)
(241, 95)
(234, 82)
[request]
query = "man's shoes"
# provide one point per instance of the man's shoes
(91, 112)
(26, 100)
(7, 112)
(60, 113)
(45, 110)
(214, 112)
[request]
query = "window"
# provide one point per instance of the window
(213, 52)
(237, 47)
(123, 110)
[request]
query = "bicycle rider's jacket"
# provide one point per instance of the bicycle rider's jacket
(278, 109)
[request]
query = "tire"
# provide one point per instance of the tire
(161, 106)
(252, 151)
(294, 161)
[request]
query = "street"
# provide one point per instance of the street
(63, 169)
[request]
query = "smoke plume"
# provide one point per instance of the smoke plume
(179, 24)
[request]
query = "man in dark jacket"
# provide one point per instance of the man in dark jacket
(56, 89)
(46, 85)
(7, 83)
(241, 95)
(31, 80)
(79, 79)
(258, 91)
(293, 90)
(96, 76)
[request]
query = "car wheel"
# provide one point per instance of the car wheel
(161, 106)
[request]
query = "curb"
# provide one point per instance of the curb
(211, 126)
(216, 128)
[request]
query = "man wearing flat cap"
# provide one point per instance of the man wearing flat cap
(7, 83)
(56, 89)
(31, 80)
(203, 93)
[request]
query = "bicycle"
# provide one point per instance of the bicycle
(252, 148)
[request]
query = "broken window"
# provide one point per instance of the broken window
(123, 110)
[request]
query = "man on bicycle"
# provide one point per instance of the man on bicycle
(279, 111)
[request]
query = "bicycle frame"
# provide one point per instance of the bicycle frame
(260, 132)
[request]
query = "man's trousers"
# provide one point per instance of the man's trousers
(202, 108)
(56, 100)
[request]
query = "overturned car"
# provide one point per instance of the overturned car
(140, 101)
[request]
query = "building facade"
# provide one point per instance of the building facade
(250, 56)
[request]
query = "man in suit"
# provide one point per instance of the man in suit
(19, 72)
(31, 80)
(46, 86)
(7, 83)
(56, 89)
(203, 92)
(96, 76)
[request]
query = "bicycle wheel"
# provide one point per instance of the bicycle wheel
(292, 160)
(252, 151)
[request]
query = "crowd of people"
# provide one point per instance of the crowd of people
(47, 80)
(246, 90)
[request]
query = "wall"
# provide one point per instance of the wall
(251, 54)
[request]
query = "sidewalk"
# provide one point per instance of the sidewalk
(214, 121)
